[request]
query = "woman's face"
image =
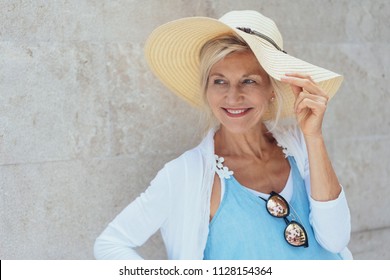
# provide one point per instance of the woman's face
(239, 91)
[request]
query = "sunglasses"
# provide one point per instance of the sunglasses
(294, 233)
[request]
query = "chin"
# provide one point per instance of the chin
(239, 129)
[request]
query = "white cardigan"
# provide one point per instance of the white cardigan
(178, 203)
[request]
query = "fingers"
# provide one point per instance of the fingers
(300, 75)
(308, 101)
(302, 82)
(308, 95)
(304, 96)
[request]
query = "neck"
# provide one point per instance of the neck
(257, 142)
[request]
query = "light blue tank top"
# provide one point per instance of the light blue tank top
(243, 229)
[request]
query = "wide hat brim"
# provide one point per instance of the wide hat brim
(172, 52)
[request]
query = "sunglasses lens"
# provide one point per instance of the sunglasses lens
(295, 234)
(277, 206)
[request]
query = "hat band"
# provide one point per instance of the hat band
(261, 35)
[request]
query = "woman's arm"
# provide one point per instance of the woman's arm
(136, 223)
(310, 106)
(324, 183)
(329, 215)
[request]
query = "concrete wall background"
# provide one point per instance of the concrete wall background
(84, 126)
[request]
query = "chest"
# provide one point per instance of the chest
(262, 176)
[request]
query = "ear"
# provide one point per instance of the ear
(273, 96)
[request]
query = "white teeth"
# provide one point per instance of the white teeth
(236, 112)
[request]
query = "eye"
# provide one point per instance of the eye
(219, 82)
(248, 81)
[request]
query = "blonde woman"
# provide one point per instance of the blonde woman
(260, 185)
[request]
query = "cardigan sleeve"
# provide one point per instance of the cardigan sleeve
(331, 220)
(136, 223)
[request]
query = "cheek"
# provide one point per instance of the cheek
(212, 99)
(266, 95)
(261, 98)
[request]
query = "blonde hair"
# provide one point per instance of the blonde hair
(212, 52)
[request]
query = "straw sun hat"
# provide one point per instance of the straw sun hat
(172, 52)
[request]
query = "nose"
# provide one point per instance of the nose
(234, 95)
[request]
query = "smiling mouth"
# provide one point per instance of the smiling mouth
(236, 112)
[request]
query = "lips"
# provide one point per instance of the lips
(236, 112)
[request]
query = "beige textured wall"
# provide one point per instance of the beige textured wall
(84, 126)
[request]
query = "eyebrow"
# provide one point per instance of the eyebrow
(244, 76)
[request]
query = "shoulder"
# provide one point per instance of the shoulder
(197, 157)
(185, 174)
(185, 160)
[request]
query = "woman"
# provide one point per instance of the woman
(260, 185)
